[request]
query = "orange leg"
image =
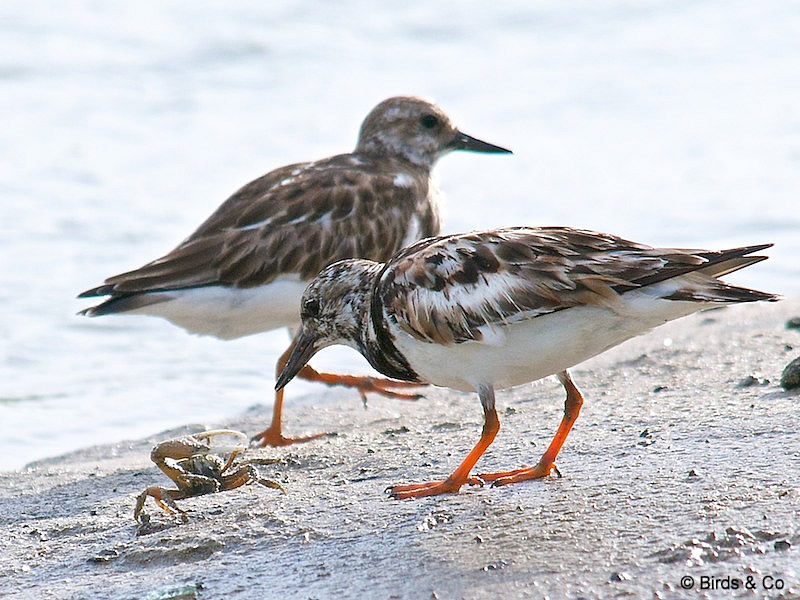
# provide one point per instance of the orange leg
(273, 435)
(546, 464)
(362, 383)
(491, 425)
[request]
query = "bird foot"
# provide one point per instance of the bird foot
(517, 475)
(364, 385)
(431, 488)
(272, 436)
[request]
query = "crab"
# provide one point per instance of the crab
(188, 461)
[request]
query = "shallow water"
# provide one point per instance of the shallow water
(672, 123)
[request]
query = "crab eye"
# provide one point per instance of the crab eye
(310, 308)
(429, 121)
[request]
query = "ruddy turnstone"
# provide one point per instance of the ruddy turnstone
(244, 269)
(493, 309)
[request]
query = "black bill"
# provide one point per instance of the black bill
(303, 351)
(462, 141)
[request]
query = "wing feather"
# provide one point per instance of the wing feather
(296, 219)
(447, 289)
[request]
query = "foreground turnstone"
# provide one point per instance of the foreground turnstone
(244, 269)
(492, 309)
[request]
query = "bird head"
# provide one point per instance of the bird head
(415, 130)
(333, 310)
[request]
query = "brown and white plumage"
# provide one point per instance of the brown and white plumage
(451, 289)
(283, 227)
(492, 309)
(244, 269)
(286, 225)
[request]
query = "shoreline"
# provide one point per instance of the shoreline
(685, 462)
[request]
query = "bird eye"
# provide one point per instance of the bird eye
(310, 308)
(429, 121)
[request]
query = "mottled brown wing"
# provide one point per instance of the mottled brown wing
(446, 289)
(296, 219)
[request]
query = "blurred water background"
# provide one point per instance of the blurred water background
(126, 123)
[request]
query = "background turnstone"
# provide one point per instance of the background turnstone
(493, 309)
(244, 269)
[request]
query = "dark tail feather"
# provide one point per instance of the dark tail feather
(100, 290)
(720, 264)
(121, 304)
(722, 293)
(720, 269)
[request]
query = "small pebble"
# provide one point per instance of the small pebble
(782, 544)
(496, 566)
(619, 577)
(105, 556)
(790, 378)
(793, 323)
(398, 430)
(750, 381)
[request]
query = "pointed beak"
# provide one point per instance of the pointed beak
(462, 141)
(303, 351)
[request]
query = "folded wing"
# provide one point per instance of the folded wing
(294, 220)
(449, 289)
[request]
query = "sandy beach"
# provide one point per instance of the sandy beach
(682, 470)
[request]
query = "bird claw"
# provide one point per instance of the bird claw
(272, 437)
(366, 384)
(523, 474)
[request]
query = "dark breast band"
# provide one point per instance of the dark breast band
(381, 352)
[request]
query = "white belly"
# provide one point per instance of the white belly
(539, 347)
(230, 313)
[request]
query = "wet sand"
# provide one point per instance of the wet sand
(685, 462)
